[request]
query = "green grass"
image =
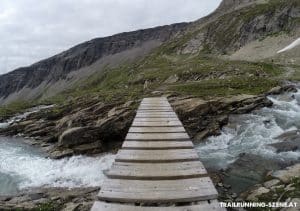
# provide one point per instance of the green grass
(50, 206)
(225, 88)
(223, 34)
(126, 82)
(10, 109)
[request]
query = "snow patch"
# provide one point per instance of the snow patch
(291, 46)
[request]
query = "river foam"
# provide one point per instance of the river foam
(252, 133)
(23, 166)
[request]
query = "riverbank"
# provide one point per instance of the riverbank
(62, 132)
(51, 199)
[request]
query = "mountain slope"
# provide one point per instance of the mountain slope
(254, 22)
(144, 61)
(59, 72)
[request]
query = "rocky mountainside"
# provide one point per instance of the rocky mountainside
(235, 30)
(243, 23)
(45, 77)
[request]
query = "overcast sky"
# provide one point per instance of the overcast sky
(31, 30)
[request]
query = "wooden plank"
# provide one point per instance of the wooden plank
(158, 145)
(200, 206)
(145, 119)
(155, 102)
(155, 106)
(156, 156)
(178, 129)
(155, 98)
(157, 136)
(143, 191)
(157, 171)
(154, 110)
(156, 124)
(168, 108)
(155, 115)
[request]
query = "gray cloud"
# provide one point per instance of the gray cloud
(31, 30)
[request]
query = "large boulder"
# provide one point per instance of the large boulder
(77, 136)
(248, 170)
(289, 141)
(287, 174)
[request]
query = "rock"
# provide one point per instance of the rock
(36, 196)
(73, 136)
(58, 198)
(273, 188)
(287, 146)
(289, 135)
(146, 84)
(220, 184)
(234, 195)
(289, 187)
(70, 207)
(287, 174)
(247, 171)
(57, 154)
(281, 89)
(227, 186)
(253, 196)
(172, 79)
(272, 182)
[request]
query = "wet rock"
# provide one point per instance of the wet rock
(247, 171)
(272, 182)
(289, 135)
(287, 174)
(290, 141)
(78, 135)
(253, 196)
(220, 184)
(57, 154)
(36, 196)
(281, 89)
(287, 146)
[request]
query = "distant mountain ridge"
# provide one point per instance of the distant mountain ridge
(59, 67)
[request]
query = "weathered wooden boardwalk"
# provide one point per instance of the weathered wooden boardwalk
(157, 165)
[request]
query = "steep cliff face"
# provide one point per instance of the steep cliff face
(33, 81)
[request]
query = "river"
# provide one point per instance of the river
(24, 166)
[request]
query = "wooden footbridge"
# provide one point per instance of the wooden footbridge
(157, 168)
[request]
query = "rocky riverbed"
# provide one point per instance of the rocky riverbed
(92, 128)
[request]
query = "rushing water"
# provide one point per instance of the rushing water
(23, 166)
(24, 115)
(252, 133)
